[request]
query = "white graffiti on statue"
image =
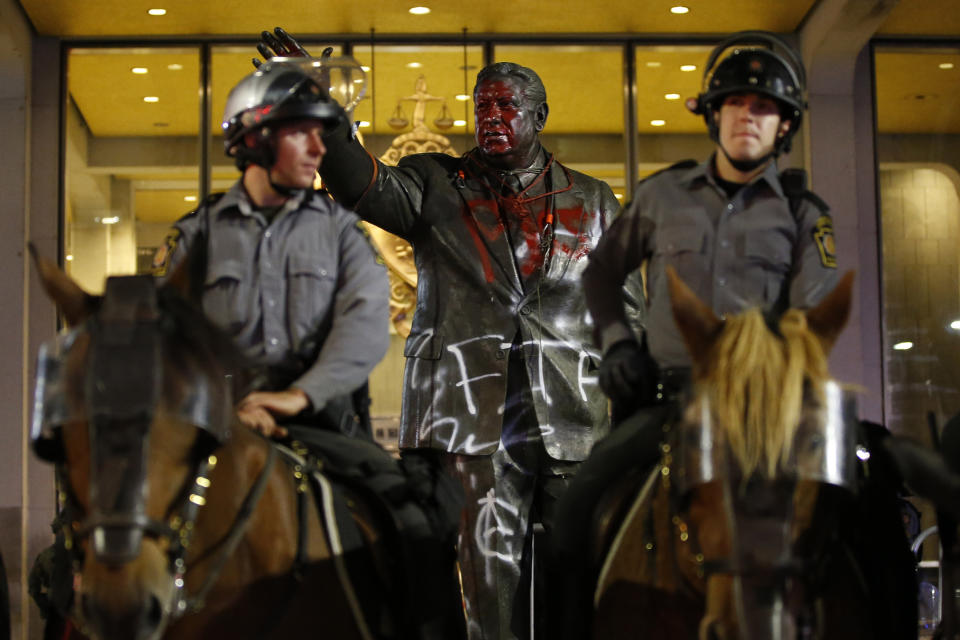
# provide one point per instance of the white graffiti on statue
(582, 378)
(459, 375)
(465, 379)
(493, 534)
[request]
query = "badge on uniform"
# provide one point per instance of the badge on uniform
(823, 237)
(161, 259)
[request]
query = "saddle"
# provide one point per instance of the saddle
(612, 510)
(405, 513)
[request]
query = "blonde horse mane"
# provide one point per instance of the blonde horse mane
(755, 384)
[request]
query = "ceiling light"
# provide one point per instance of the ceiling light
(679, 10)
(903, 346)
(110, 220)
(658, 123)
(459, 123)
(955, 325)
(414, 65)
(688, 67)
(946, 65)
(653, 63)
(463, 97)
(189, 198)
(672, 96)
(365, 68)
(157, 12)
(151, 99)
(175, 66)
(138, 70)
(419, 11)
(68, 257)
(359, 80)
(363, 123)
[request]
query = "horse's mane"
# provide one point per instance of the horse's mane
(755, 385)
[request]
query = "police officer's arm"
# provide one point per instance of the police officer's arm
(814, 272)
(619, 254)
(358, 337)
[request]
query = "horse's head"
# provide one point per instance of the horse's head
(765, 431)
(131, 402)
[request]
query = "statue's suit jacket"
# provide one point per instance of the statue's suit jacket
(472, 306)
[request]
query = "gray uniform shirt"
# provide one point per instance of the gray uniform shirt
(748, 251)
(302, 294)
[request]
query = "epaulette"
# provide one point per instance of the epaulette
(816, 200)
(794, 183)
(213, 198)
(208, 202)
(682, 165)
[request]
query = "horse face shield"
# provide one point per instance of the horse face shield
(823, 448)
(766, 521)
(121, 391)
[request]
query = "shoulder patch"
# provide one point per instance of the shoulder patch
(161, 259)
(823, 237)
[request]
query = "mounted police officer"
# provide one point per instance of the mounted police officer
(499, 376)
(287, 272)
(738, 233)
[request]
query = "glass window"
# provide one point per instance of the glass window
(667, 132)
(918, 122)
(409, 85)
(132, 122)
(585, 93)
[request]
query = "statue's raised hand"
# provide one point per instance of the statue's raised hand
(281, 44)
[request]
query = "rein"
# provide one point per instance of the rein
(226, 546)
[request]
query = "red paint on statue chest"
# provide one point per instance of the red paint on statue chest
(526, 220)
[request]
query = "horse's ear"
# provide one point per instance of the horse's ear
(697, 322)
(75, 303)
(828, 318)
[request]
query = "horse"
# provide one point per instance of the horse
(180, 522)
(749, 526)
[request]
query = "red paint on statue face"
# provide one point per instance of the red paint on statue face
(507, 126)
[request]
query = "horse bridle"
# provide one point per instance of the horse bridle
(121, 392)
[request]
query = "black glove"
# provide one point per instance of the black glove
(282, 45)
(628, 373)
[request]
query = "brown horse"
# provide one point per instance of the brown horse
(183, 524)
(735, 535)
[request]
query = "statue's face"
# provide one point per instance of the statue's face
(507, 125)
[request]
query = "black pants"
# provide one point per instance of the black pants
(634, 446)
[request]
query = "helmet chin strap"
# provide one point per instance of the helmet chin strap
(746, 166)
(286, 192)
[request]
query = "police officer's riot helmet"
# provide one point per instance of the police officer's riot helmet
(762, 63)
(277, 92)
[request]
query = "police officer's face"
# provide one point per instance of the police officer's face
(749, 125)
(507, 125)
(299, 151)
